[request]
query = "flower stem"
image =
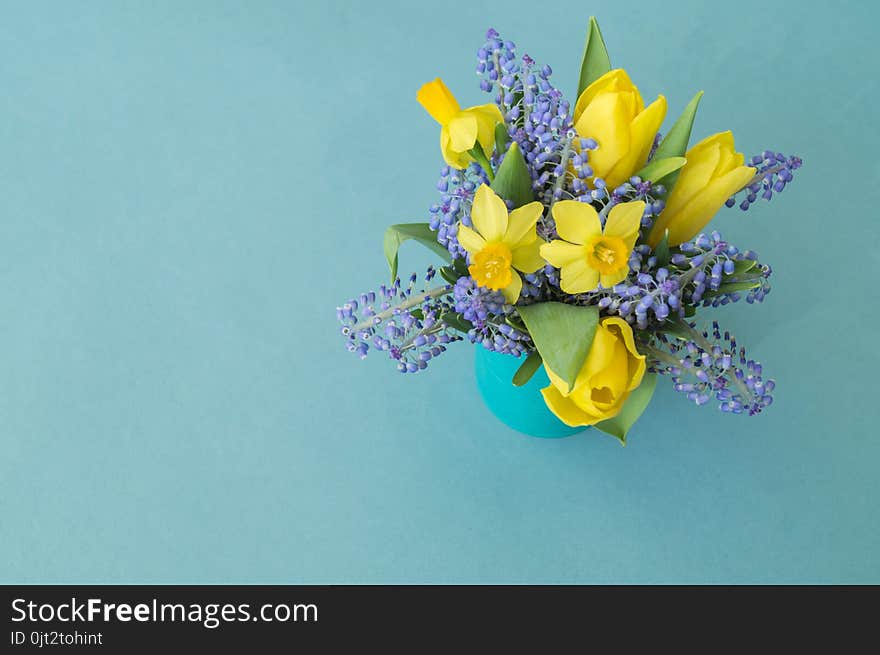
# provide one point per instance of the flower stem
(480, 157)
(413, 301)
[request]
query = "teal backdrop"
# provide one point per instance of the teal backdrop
(189, 189)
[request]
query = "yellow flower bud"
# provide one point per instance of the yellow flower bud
(612, 370)
(611, 111)
(461, 129)
(714, 172)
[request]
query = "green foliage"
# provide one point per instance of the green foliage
(675, 143)
(456, 321)
(632, 409)
(396, 235)
(527, 369)
(501, 138)
(661, 252)
(657, 169)
(596, 61)
(562, 334)
(512, 180)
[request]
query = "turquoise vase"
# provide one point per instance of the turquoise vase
(521, 408)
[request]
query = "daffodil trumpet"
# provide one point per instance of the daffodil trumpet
(576, 244)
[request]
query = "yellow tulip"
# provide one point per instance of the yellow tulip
(611, 111)
(461, 129)
(714, 171)
(501, 244)
(587, 254)
(612, 370)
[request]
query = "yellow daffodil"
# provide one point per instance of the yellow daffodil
(714, 171)
(461, 129)
(611, 111)
(501, 244)
(613, 368)
(586, 254)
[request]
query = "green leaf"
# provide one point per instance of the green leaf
(562, 334)
(743, 266)
(657, 169)
(396, 235)
(689, 310)
(632, 409)
(460, 266)
(661, 252)
(456, 322)
(448, 273)
(675, 143)
(596, 62)
(528, 368)
(482, 159)
(676, 328)
(730, 287)
(512, 179)
(502, 137)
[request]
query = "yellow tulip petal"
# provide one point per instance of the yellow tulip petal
(576, 221)
(699, 211)
(610, 385)
(607, 119)
(642, 131)
(470, 240)
(578, 277)
(695, 175)
(528, 258)
(489, 214)
(438, 101)
(521, 223)
(511, 291)
(624, 219)
(613, 80)
(561, 253)
(462, 132)
(637, 360)
(565, 409)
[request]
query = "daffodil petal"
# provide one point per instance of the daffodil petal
(576, 221)
(560, 253)
(624, 219)
(511, 291)
(462, 132)
(470, 240)
(521, 223)
(457, 160)
(578, 277)
(438, 101)
(528, 258)
(489, 214)
(608, 280)
(488, 116)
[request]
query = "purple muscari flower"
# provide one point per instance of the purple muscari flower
(711, 364)
(490, 317)
(774, 171)
(400, 320)
(714, 272)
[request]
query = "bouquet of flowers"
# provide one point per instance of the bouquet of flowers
(572, 238)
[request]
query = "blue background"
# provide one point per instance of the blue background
(189, 190)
